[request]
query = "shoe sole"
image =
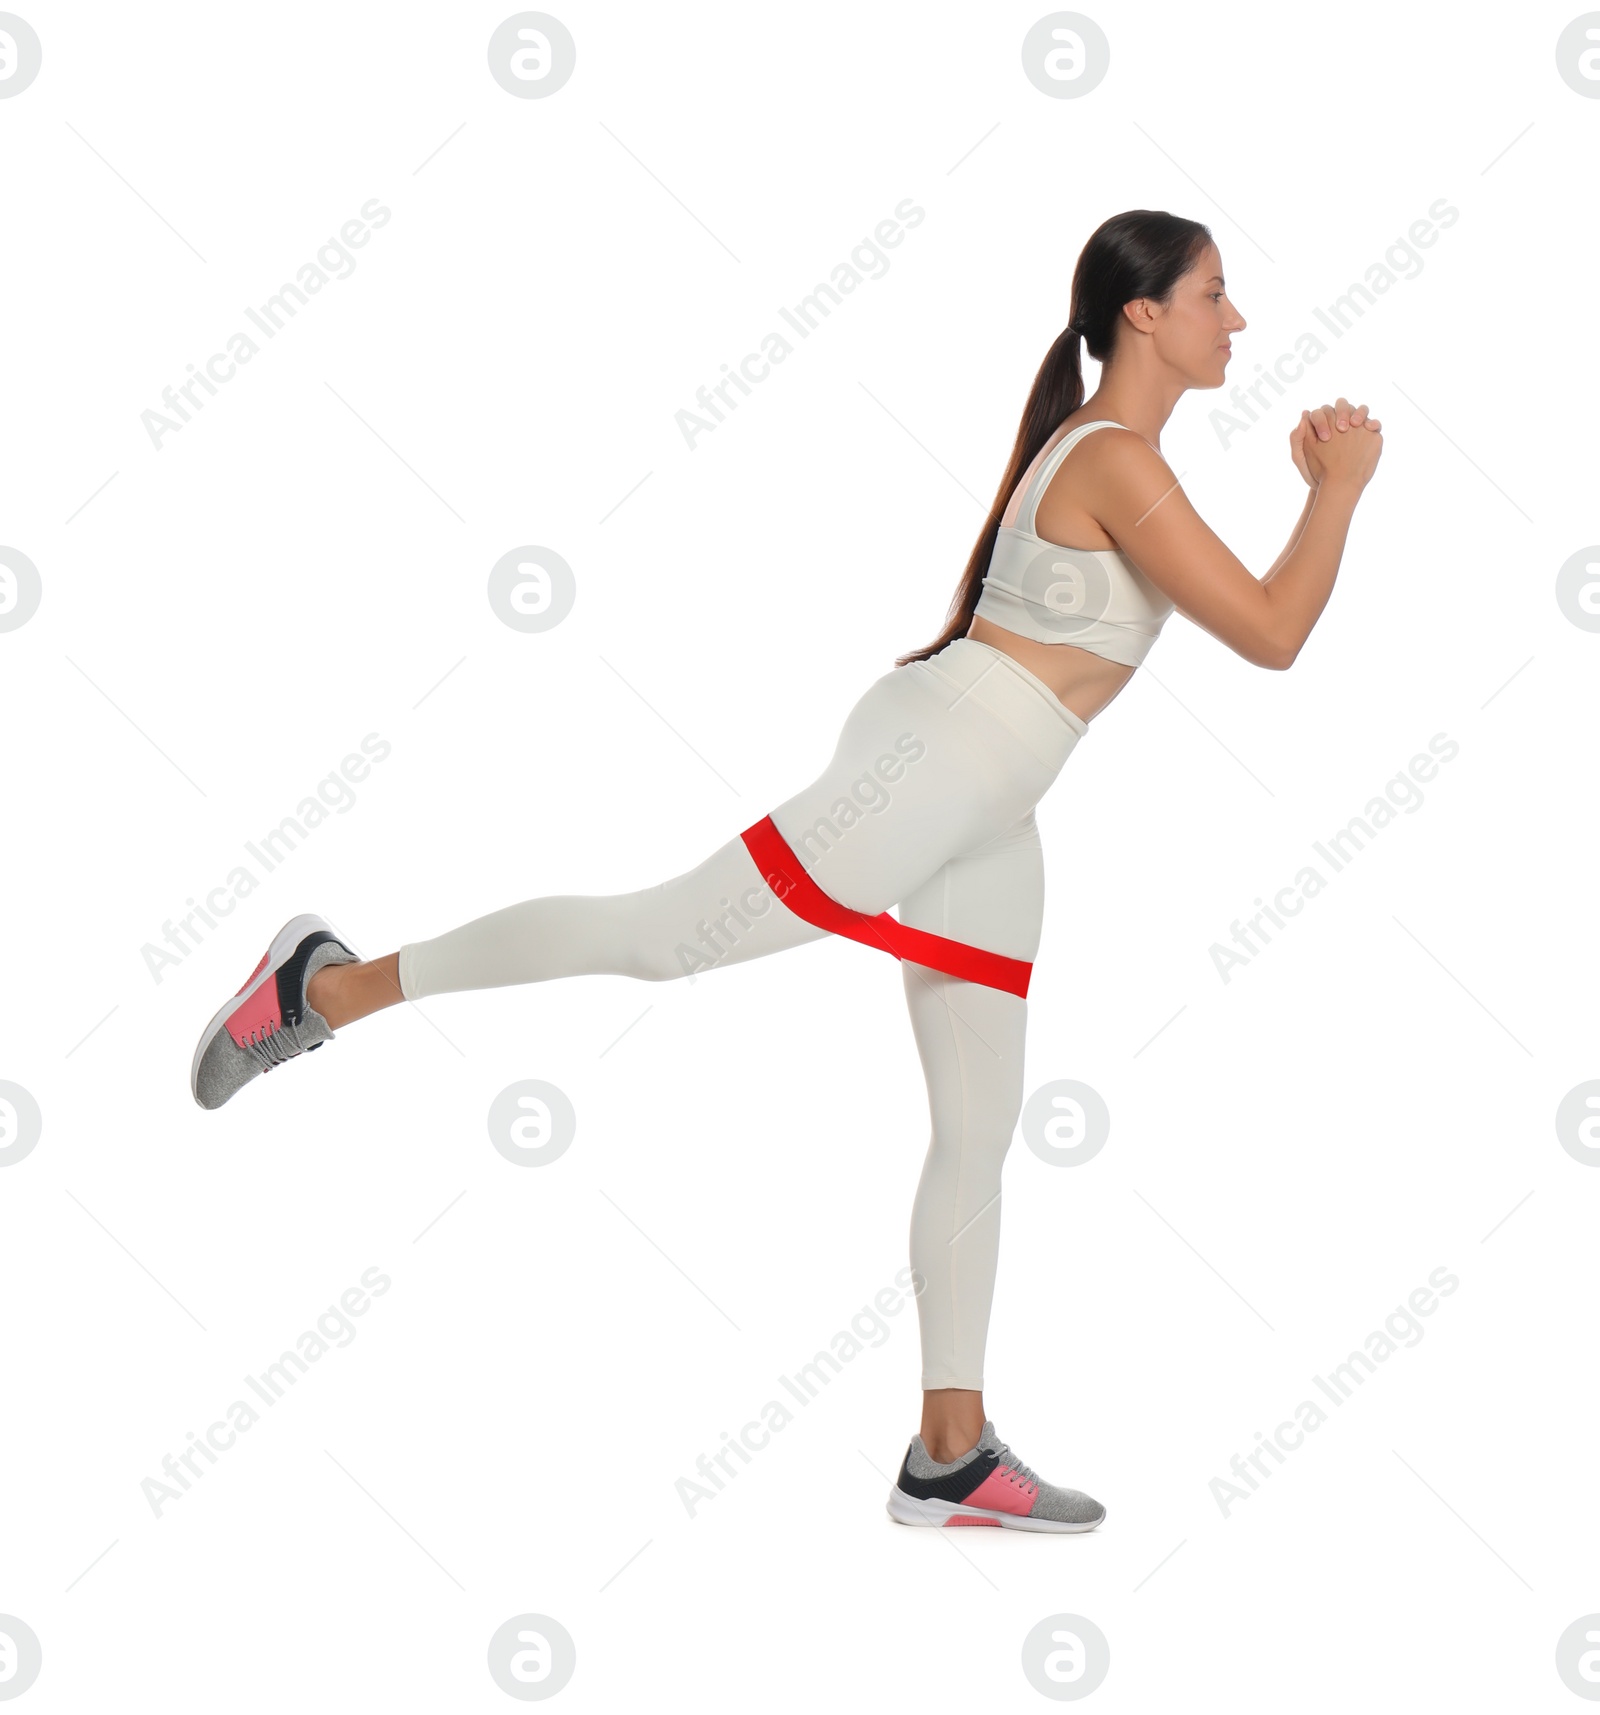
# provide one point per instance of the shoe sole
(283, 945)
(907, 1509)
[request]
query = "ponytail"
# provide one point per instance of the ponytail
(1056, 393)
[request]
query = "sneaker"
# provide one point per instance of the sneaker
(988, 1485)
(268, 1021)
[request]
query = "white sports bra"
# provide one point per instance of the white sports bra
(1095, 598)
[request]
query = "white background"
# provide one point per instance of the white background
(1292, 1152)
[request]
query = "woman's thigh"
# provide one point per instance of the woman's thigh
(991, 896)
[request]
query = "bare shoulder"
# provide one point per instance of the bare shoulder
(1118, 469)
(1072, 510)
(1119, 447)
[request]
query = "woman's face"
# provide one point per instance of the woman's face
(1192, 333)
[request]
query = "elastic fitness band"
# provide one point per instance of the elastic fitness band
(787, 878)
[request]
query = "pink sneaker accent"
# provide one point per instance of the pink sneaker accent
(255, 973)
(1003, 1491)
(259, 1016)
(955, 1519)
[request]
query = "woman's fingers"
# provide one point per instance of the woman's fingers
(1324, 420)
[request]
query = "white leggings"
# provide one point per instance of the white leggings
(927, 805)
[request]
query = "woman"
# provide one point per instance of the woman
(928, 804)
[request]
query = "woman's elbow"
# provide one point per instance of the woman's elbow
(1276, 651)
(1259, 644)
(1272, 653)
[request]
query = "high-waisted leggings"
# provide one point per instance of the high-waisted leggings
(928, 806)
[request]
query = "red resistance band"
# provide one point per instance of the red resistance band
(788, 880)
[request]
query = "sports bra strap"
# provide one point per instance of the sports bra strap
(1042, 476)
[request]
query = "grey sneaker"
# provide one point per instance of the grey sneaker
(268, 1021)
(988, 1485)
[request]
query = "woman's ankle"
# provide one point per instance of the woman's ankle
(344, 993)
(325, 992)
(952, 1421)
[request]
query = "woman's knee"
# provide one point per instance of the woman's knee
(652, 965)
(669, 932)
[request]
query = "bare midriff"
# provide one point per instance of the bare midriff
(1083, 682)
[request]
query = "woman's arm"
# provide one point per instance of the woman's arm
(1301, 579)
(1294, 535)
(1139, 503)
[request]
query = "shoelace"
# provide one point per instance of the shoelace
(1009, 1459)
(270, 1051)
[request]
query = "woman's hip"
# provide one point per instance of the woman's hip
(934, 759)
(1021, 701)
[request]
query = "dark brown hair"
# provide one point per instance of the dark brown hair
(1140, 254)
